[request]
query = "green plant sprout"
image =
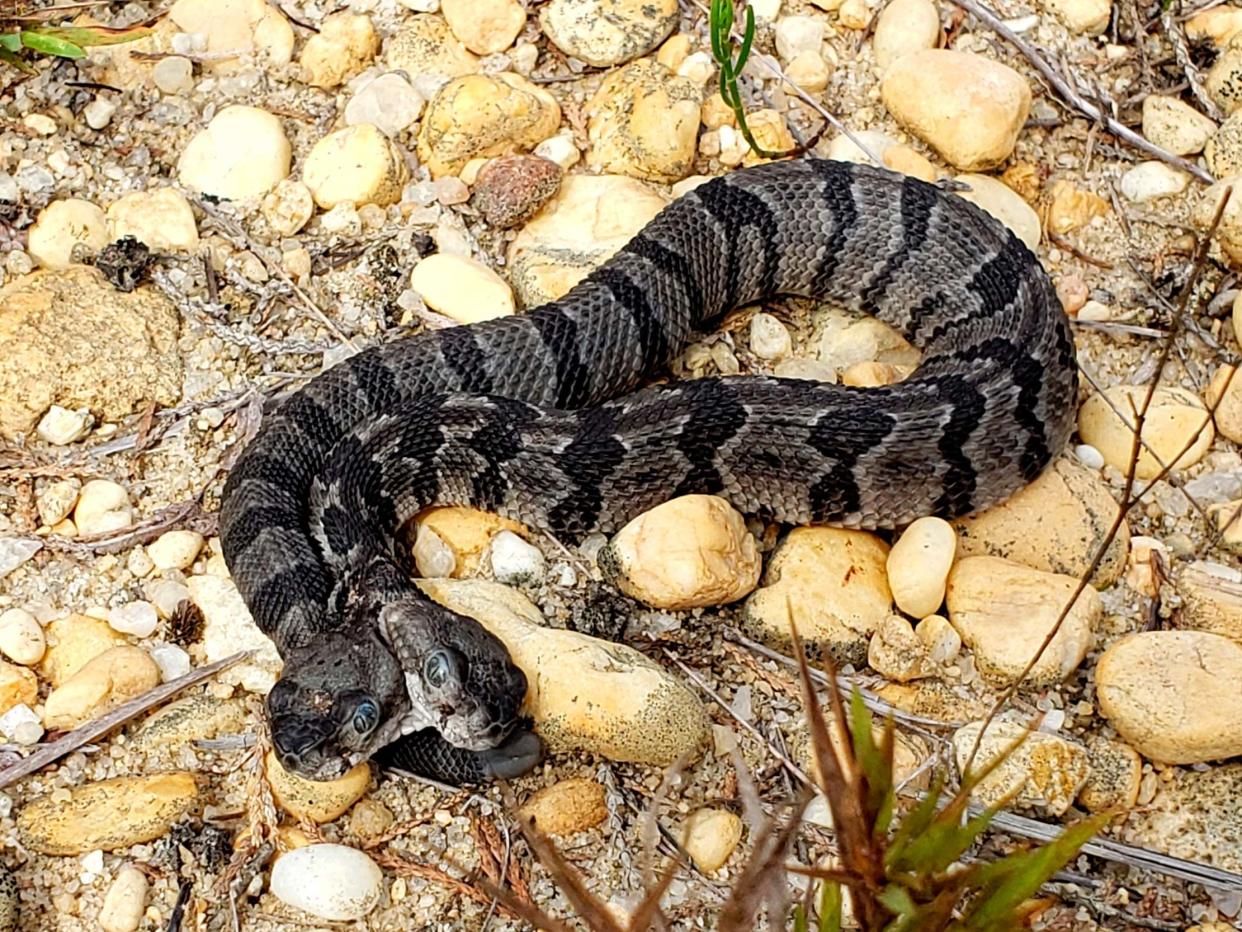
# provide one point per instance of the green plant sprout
(21, 36)
(721, 26)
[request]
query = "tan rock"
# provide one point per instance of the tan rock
(1175, 125)
(161, 218)
(690, 552)
(485, 26)
(1044, 773)
(60, 227)
(1223, 151)
(918, 565)
(424, 44)
(905, 160)
(358, 164)
(18, 686)
(1070, 207)
(897, 653)
(102, 506)
(1004, 610)
(770, 130)
(482, 116)
(1224, 78)
(1005, 204)
(193, 717)
(643, 122)
(344, 45)
(1229, 231)
(243, 152)
(314, 800)
(566, 807)
(370, 819)
(1176, 421)
(1194, 816)
(809, 71)
(968, 108)
(125, 902)
(1224, 397)
(933, 699)
(584, 694)
(607, 32)
(461, 288)
(1055, 523)
(107, 815)
(1210, 601)
(710, 836)
(1113, 783)
(828, 582)
(175, 550)
(589, 219)
(289, 206)
(106, 681)
(467, 533)
(905, 26)
(228, 627)
(1086, 17)
(1218, 24)
(240, 27)
(1173, 694)
(73, 641)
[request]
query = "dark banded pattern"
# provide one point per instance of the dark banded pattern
(541, 417)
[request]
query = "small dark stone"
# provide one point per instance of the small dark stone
(125, 263)
(513, 188)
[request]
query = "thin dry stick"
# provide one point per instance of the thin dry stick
(50, 753)
(1072, 97)
(1128, 499)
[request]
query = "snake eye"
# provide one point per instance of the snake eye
(437, 669)
(366, 717)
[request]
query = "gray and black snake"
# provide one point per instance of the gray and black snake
(540, 417)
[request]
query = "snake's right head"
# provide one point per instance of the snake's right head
(340, 700)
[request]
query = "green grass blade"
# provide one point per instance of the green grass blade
(748, 39)
(831, 906)
(51, 45)
(11, 41)
(88, 36)
(11, 58)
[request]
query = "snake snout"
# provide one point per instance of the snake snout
(299, 748)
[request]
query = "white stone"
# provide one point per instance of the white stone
(172, 660)
(230, 628)
(433, 558)
(56, 500)
(175, 550)
(21, 725)
(162, 218)
(14, 551)
(136, 618)
(904, 26)
(61, 226)
(461, 288)
(1147, 181)
(1089, 456)
(769, 338)
(766, 10)
(329, 881)
(102, 506)
(125, 902)
(388, 102)
(515, 561)
(242, 153)
(60, 426)
(560, 149)
(21, 637)
(174, 75)
(1176, 126)
(358, 164)
(798, 34)
(98, 113)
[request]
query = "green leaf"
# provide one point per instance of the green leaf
(88, 36)
(1006, 884)
(876, 764)
(800, 923)
(11, 41)
(831, 904)
(748, 39)
(51, 45)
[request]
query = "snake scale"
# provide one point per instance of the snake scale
(540, 417)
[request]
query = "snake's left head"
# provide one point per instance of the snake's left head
(342, 699)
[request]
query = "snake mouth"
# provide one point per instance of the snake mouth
(299, 746)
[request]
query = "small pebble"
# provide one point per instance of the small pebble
(102, 506)
(61, 426)
(463, 289)
(101, 685)
(710, 837)
(511, 189)
(769, 338)
(135, 618)
(21, 637)
(1089, 456)
(316, 801)
(175, 550)
(330, 881)
(567, 807)
(174, 75)
(98, 113)
(125, 902)
(919, 564)
(21, 725)
(514, 561)
(172, 660)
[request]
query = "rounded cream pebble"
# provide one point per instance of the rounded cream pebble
(175, 550)
(60, 426)
(102, 506)
(710, 836)
(242, 153)
(769, 338)
(21, 637)
(61, 225)
(691, 552)
(125, 902)
(329, 881)
(904, 26)
(358, 164)
(1176, 420)
(940, 637)
(514, 561)
(135, 618)
(161, 218)
(461, 288)
(918, 565)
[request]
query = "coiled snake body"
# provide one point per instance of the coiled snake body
(536, 417)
